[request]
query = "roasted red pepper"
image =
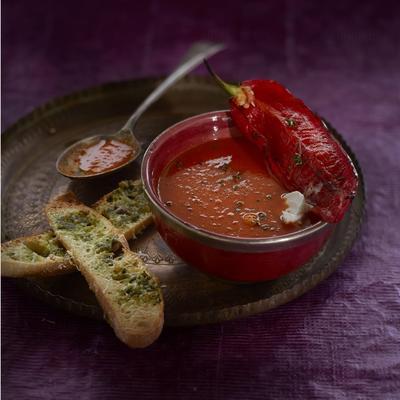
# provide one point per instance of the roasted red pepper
(299, 149)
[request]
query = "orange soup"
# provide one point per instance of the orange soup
(223, 186)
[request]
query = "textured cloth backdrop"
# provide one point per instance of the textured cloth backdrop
(339, 341)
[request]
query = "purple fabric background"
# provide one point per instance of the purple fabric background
(339, 341)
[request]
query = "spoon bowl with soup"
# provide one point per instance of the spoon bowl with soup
(104, 154)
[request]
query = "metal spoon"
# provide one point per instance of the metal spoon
(66, 162)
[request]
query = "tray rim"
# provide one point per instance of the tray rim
(225, 313)
(55, 103)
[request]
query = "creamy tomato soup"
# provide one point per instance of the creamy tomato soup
(223, 186)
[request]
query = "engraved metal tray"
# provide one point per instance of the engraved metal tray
(29, 179)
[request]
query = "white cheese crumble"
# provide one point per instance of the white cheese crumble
(296, 207)
(219, 162)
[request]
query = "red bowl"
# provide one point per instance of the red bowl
(229, 258)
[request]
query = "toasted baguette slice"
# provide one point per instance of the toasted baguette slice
(41, 255)
(129, 295)
(127, 208)
(35, 255)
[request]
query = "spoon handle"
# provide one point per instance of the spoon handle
(191, 60)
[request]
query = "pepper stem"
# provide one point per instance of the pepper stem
(233, 90)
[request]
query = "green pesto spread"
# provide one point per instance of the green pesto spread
(100, 250)
(125, 205)
(46, 245)
(136, 283)
(34, 249)
(79, 224)
(89, 233)
(21, 252)
(138, 286)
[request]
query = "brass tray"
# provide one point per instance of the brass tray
(29, 152)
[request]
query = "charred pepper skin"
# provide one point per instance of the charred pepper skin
(299, 150)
